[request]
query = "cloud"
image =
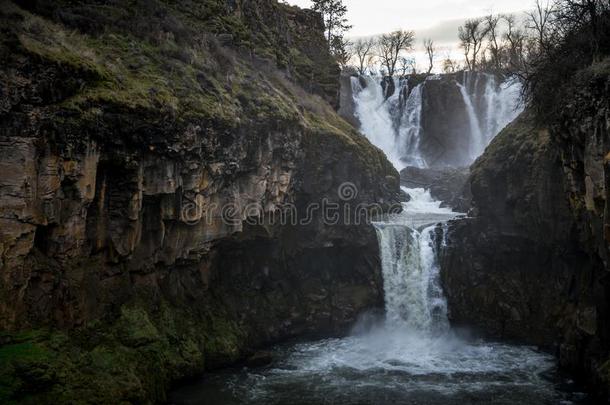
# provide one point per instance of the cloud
(443, 33)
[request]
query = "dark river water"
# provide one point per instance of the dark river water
(389, 367)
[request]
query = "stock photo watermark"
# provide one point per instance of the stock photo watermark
(344, 210)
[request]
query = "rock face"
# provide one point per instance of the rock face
(531, 264)
(347, 106)
(449, 185)
(159, 177)
(445, 139)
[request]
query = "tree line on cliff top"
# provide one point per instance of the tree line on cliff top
(543, 47)
(508, 43)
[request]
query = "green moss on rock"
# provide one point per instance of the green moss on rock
(131, 359)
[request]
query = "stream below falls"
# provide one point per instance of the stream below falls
(389, 367)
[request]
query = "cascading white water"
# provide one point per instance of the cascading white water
(502, 105)
(409, 130)
(394, 129)
(397, 128)
(488, 111)
(413, 296)
(476, 136)
(372, 109)
(414, 299)
(411, 356)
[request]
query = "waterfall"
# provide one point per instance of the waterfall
(409, 356)
(476, 136)
(414, 298)
(395, 124)
(393, 121)
(488, 111)
(502, 107)
(409, 131)
(389, 125)
(413, 295)
(374, 115)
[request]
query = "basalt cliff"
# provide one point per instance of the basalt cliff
(531, 262)
(148, 153)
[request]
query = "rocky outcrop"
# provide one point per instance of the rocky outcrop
(347, 107)
(448, 185)
(502, 255)
(531, 264)
(158, 192)
(445, 139)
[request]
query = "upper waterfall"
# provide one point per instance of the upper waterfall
(490, 106)
(391, 123)
(442, 120)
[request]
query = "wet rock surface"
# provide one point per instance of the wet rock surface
(449, 185)
(346, 101)
(444, 122)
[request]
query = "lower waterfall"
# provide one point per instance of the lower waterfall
(413, 294)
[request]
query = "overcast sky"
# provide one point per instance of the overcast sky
(371, 17)
(436, 19)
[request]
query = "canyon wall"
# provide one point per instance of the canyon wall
(531, 263)
(158, 166)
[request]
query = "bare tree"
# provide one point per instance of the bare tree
(540, 22)
(371, 64)
(465, 44)
(584, 15)
(492, 35)
(563, 36)
(430, 52)
(449, 65)
(406, 66)
(363, 50)
(472, 35)
(390, 47)
(515, 39)
(478, 33)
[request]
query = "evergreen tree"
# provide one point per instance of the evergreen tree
(333, 12)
